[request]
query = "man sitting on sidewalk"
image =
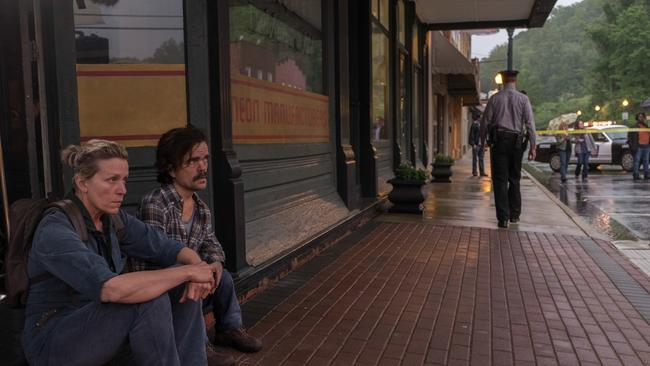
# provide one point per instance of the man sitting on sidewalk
(182, 162)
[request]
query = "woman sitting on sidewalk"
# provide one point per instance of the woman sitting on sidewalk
(85, 310)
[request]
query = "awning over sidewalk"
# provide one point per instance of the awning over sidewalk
(477, 14)
(461, 72)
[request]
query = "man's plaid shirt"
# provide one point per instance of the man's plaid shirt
(163, 209)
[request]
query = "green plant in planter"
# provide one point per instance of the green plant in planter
(443, 159)
(442, 168)
(406, 195)
(409, 173)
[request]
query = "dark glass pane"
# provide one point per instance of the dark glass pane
(380, 84)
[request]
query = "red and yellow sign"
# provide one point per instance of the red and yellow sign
(130, 103)
(136, 103)
(264, 112)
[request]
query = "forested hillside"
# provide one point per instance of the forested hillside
(596, 52)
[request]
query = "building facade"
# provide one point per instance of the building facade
(309, 105)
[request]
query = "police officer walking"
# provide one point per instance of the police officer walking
(508, 120)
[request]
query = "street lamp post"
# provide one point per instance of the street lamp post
(625, 115)
(510, 32)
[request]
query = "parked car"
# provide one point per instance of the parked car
(611, 144)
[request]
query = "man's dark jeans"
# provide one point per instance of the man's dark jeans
(225, 306)
(477, 157)
(565, 156)
(642, 155)
(506, 174)
(160, 332)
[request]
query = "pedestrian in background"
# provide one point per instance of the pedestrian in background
(508, 117)
(585, 147)
(640, 146)
(563, 145)
(478, 151)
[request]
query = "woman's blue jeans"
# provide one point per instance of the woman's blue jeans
(583, 162)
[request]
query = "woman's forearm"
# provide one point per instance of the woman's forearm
(142, 286)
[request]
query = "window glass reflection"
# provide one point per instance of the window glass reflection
(402, 106)
(276, 73)
(416, 108)
(383, 13)
(379, 84)
(401, 27)
(415, 49)
(375, 8)
(284, 47)
(120, 31)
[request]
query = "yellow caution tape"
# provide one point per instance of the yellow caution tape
(561, 132)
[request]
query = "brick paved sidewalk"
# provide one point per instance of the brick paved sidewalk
(413, 294)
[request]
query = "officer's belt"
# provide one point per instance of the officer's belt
(510, 132)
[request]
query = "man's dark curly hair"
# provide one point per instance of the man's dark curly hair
(173, 146)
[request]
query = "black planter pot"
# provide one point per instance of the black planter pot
(441, 172)
(406, 196)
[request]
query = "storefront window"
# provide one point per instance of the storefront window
(130, 69)
(401, 21)
(416, 108)
(379, 83)
(278, 49)
(276, 69)
(383, 13)
(402, 106)
(380, 12)
(415, 49)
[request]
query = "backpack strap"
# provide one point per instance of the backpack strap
(76, 218)
(74, 215)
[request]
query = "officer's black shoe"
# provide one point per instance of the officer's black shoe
(636, 177)
(646, 177)
(503, 224)
(514, 220)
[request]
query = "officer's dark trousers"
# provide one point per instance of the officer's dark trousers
(506, 173)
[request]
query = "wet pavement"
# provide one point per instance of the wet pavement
(609, 200)
(469, 201)
(449, 288)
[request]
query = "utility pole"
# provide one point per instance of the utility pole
(510, 32)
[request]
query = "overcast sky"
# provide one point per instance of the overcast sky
(482, 45)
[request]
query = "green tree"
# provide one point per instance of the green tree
(555, 61)
(169, 52)
(623, 41)
(250, 24)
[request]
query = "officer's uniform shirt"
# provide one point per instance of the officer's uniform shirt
(508, 109)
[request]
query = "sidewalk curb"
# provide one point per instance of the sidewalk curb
(589, 230)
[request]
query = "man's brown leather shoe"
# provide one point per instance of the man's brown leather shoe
(239, 340)
(217, 357)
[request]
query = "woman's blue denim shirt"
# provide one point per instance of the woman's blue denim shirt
(77, 265)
